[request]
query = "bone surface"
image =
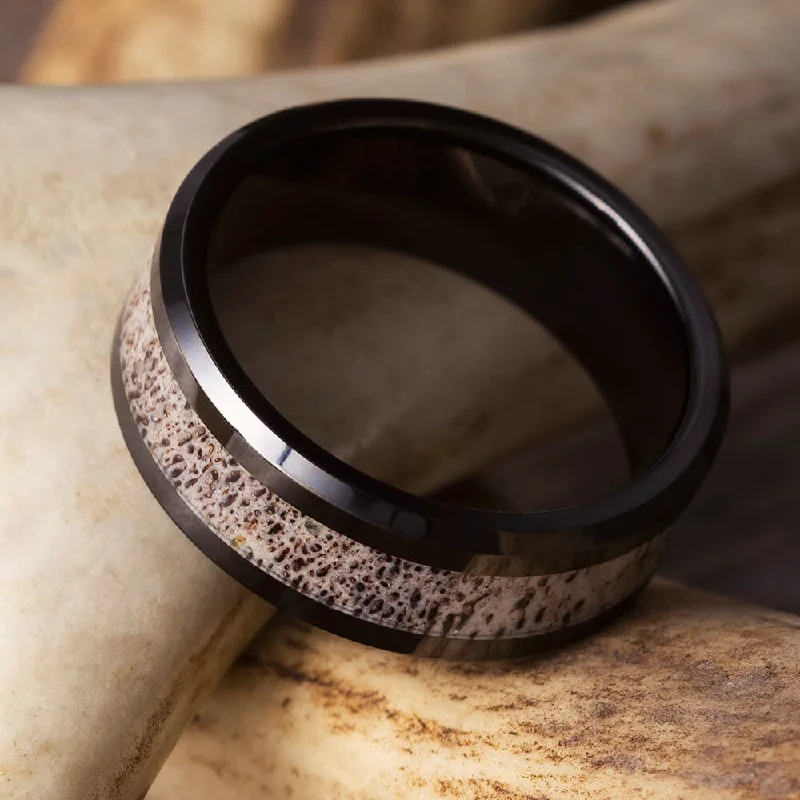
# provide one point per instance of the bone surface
(689, 696)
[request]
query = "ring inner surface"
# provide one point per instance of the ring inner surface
(494, 222)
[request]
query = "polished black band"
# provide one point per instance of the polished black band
(618, 296)
(503, 208)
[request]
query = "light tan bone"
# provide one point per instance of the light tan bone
(690, 696)
(111, 624)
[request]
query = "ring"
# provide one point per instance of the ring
(334, 546)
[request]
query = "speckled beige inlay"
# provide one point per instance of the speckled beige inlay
(327, 566)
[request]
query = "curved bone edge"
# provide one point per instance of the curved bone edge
(690, 696)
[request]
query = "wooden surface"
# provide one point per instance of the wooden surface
(690, 696)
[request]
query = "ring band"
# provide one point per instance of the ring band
(345, 551)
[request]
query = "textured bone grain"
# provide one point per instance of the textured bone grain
(690, 696)
(328, 566)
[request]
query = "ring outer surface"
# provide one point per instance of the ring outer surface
(478, 545)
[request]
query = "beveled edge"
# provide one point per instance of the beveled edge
(374, 513)
(284, 598)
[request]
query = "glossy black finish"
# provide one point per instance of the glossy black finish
(536, 226)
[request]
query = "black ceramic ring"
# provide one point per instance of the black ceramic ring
(334, 546)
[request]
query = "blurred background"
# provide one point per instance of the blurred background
(739, 537)
(94, 41)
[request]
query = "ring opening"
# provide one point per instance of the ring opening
(393, 216)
